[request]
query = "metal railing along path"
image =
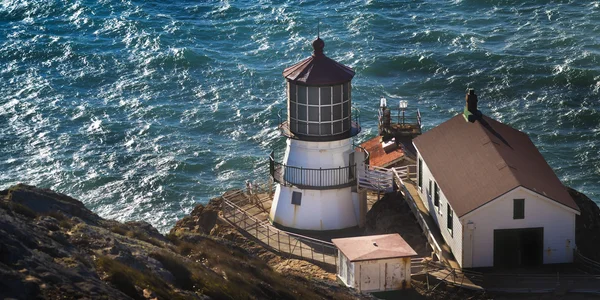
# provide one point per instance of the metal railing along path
(287, 243)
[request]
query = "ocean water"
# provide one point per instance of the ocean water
(142, 109)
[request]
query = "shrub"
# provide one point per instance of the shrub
(135, 234)
(119, 230)
(183, 276)
(23, 210)
(125, 278)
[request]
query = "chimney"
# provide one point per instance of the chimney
(471, 101)
(471, 113)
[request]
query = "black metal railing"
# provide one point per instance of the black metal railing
(310, 178)
(400, 117)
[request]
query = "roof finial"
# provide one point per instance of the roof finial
(318, 46)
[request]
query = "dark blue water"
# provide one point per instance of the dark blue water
(142, 109)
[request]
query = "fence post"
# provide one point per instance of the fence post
(268, 236)
(234, 215)
(278, 244)
(323, 252)
(256, 228)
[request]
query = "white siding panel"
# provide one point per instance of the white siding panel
(382, 275)
(557, 221)
(439, 214)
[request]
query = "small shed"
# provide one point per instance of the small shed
(374, 263)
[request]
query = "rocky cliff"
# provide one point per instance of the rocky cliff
(53, 247)
(587, 226)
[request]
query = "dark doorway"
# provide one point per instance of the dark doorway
(521, 247)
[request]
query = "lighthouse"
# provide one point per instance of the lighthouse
(316, 186)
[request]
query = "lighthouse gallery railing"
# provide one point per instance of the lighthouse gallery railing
(308, 178)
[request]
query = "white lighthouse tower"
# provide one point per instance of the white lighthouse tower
(316, 181)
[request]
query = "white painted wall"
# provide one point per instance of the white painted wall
(557, 220)
(318, 154)
(439, 214)
(330, 209)
(319, 209)
(382, 275)
(345, 271)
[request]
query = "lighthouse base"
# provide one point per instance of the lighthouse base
(315, 210)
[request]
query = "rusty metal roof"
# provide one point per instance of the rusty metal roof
(476, 162)
(372, 247)
(318, 69)
(379, 157)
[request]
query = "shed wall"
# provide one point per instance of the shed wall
(382, 275)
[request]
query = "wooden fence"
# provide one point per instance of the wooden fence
(437, 250)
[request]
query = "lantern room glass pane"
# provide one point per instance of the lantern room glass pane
(346, 111)
(313, 113)
(337, 94)
(292, 92)
(313, 95)
(302, 94)
(326, 113)
(325, 128)
(337, 112)
(302, 112)
(346, 89)
(292, 111)
(313, 128)
(293, 125)
(301, 127)
(337, 127)
(325, 95)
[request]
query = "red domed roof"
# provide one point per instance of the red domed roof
(318, 69)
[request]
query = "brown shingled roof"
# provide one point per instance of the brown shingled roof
(476, 162)
(318, 69)
(373, 247)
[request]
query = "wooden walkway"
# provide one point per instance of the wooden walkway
(250, 214)
(451, 272)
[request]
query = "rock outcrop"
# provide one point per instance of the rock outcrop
(52, 247)
(587, 226)
(391, 214)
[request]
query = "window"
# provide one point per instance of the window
(450, 215)
(519, 209)
(429, 190)
(420, 171)
(436, 196)
(296, 198)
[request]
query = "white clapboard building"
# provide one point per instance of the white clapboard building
(495, 199)
(374, 263)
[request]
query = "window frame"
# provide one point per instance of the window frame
(518, 204)
(420, 175)
(296, 198)
(450, 220)
(436, 194)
